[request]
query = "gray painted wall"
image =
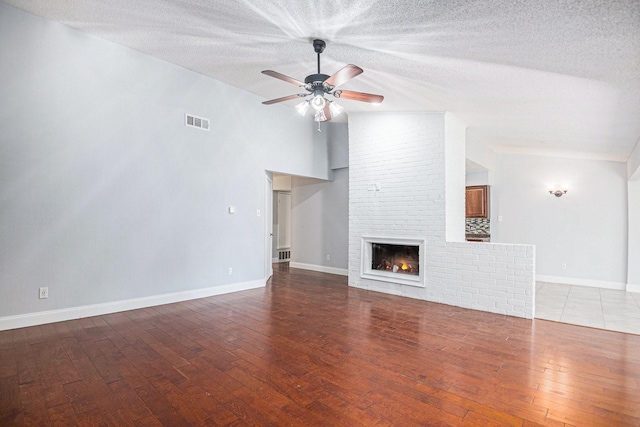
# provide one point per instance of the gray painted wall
(338, 140)
(586, 229)
(105, 195)
(633, 194)
(633, 264)
(320, 220)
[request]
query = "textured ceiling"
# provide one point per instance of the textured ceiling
(547, 76)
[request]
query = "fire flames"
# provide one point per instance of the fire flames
(400, 266)
(401, 259)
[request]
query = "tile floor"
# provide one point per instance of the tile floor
(594, 307)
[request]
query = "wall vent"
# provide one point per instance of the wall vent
(196, 122)
(284, 255)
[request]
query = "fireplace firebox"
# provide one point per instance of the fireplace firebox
(401, 259)
(393, 259)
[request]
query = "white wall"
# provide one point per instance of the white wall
(633, 163)
(477, 178)
(281, 182)
(105, 194)
(586, 228)
(480, 154)
(633, 194)
(633, 272)
(283, 230)
(320, 223)
(455, 200)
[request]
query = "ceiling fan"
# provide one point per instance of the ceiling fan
(317, 85)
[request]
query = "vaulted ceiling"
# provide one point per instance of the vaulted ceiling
(558, 77)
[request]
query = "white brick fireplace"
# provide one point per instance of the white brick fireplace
(406, 184)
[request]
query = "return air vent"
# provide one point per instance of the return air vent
(196, 122)
(284, 255)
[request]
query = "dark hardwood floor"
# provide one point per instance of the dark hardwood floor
(309, 351)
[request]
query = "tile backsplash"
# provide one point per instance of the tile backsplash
(478, 226)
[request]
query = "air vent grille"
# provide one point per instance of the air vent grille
(196, 122)
(284, 255)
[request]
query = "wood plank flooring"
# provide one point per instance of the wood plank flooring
(309, 351)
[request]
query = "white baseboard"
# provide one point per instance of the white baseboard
(320, 268)
(42, 317)
(620, 286)
(632, 287)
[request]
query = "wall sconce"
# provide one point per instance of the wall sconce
(557, 191)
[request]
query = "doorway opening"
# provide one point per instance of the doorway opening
(281, 216)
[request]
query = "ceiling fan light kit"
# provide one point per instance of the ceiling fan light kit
(302, 107)
(318, 85)
(335, 108)
(318, 102)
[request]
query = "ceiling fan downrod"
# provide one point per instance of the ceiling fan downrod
(318, 46)
(314, 81)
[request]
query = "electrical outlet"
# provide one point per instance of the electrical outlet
(258, 212)
(229, 271)
(564, 266)
(328, 257)
(43, 293)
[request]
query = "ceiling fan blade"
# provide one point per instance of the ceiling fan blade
(343, 75)
(358, 96)
(283, 77)
(327, 112)
(285, 98)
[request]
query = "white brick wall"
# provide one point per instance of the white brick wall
(404, 153)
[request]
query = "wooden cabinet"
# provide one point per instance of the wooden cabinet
(477, 201)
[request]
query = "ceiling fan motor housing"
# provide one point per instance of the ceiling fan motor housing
(316, 78)
(319, 45)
